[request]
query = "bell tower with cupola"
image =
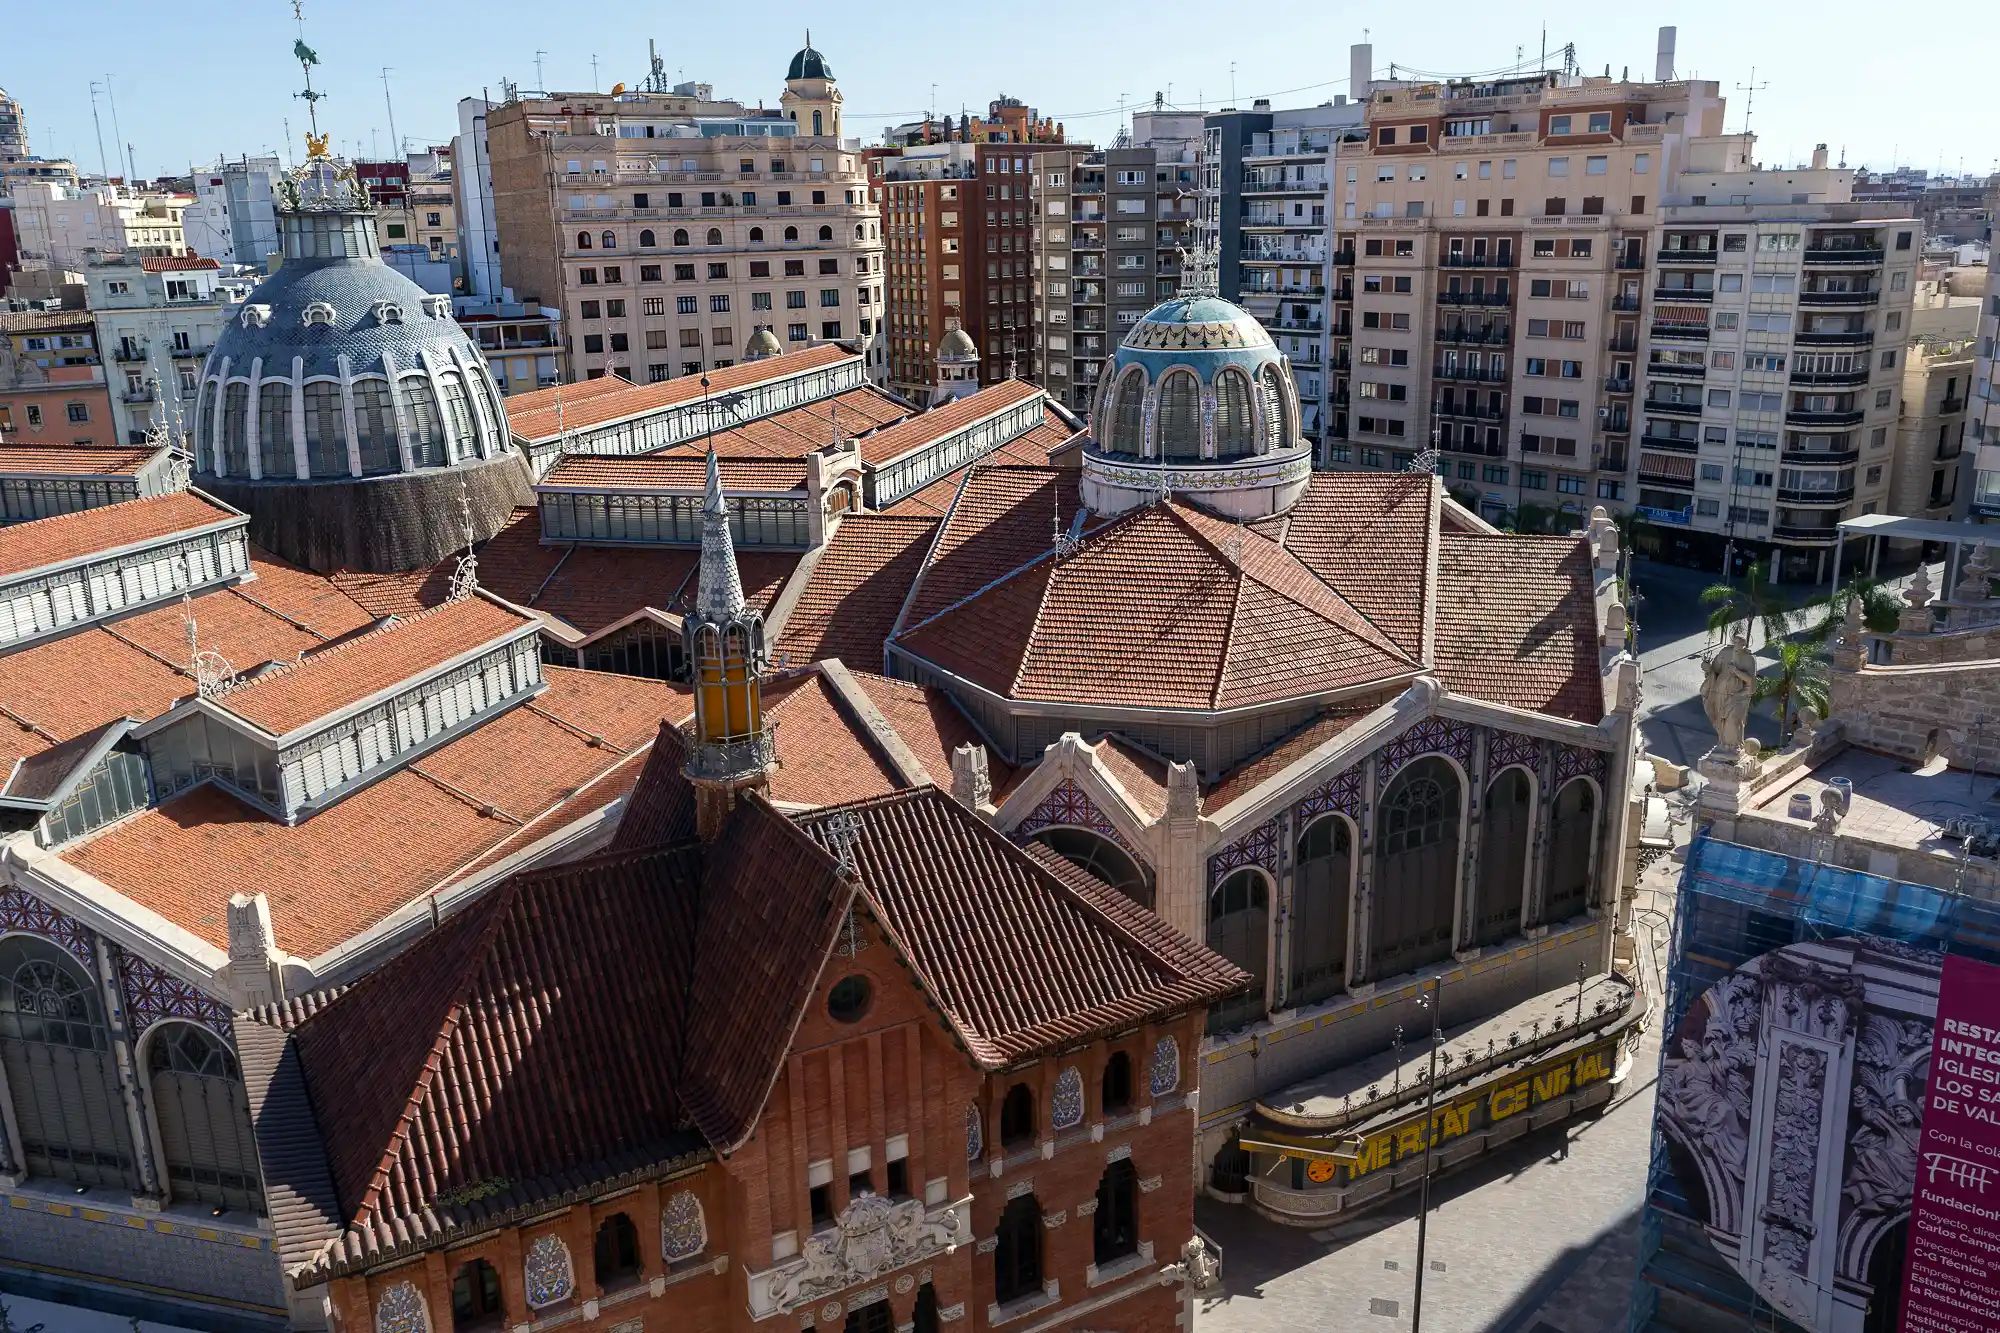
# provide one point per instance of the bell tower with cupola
(731, 750)
(811, 98)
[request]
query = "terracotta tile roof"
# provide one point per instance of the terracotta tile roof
(1517, 623)
(50, 541)
(533, 416)
(399, 594)
(1142, 775)
(175, 263)
(977, 917)
(514, 563)
(930, 724)
(281, 701)
(799, 431)
(856, 590)
(1258, 769)
(391, 842)
(661, 807)
(1001, 521)
(303, 597)
(45, 321)
(939, 422)
(824, 755)
(1164, 606)
(1371, 538)
(1032, 449)
(522, 405)
(672, 471)
(40, 775)
(65, 686)
(69, 460)
(253, 634)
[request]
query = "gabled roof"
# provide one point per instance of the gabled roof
(849, 603)
(1001, 519)
(532, 416)
(1034, 449)
(1370, 537)
(670, 471)
(175, 263)
(45, 542)
(1163, 607)
(939, 422)
(1517, 623)
(71, 460)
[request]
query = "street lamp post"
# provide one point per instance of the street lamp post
(1430, 1002)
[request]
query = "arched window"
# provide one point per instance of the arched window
(326, 430)
(1017, 1259)
(1416, 868)
(1235, 433)
(926, 1318)
(460, 432)
(1322, 888)
(1503, 857)
(680, 236)
(274, 430)
(756, 233)
(791, 233)
(1177, 425)
(426, 428)
(1239, 930)
(375, 424)
(583, 240)
(1099, 856)
(1127, 414)
(714, 236)
(1017, 1117)
(1279, 428)
(646, 241)
(609, 240)
(1572, 824)
(61, 1071)
(204, 1118)
(819, 126)
(617, 1251)
(475, 1296)
(1115, 1224)
(204, 417)
(1115, 1089)
(235, 431)
(858, 230)
(826, 233)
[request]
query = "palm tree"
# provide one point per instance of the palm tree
(1532, 517)
(1728, 604)
(1879, 609)
(1796, 680)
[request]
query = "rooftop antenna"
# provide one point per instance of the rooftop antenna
(131, 162)
(102, 167)
(1750, 91)
(1232, 83)
(656, 74)
(117, 134)
(395, 142)
(541, 84)
(593, 71)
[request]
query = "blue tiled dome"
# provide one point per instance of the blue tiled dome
(1197, 377)
(809, 64)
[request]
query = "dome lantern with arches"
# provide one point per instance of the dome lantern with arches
(1198, 402)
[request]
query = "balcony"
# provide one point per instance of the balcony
(1699, 295)
(1471, 412)
(1795, 532)
(1344, 258)
(1673, 407)
(1263, 255)
(1821, 457)
(1450, 296)
(1794, 495)
(1663, 328)
(1947, 452)
(1660, 473)
(1624, 345)
(1951, 405)
(1630, 263)
(128, 355)
(1839, 298)
(1831, 378)
(1473, 337)
(1505, 260)
(1825, 420)
(1470, 375)
(1675, 443)
(1851, 255)
(1678, 370)
(146, 395)
(1284, 187)
(1625, 303)
(1668, 258)
(1835, 338)
(1294, 324)
(1613, 460)
(1617, 384)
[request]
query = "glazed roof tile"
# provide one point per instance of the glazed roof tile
(70, 460)
(1517, 623)
(43, 542)
(850, 602)
(345, 674)
(532, 416)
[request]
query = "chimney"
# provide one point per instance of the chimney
(1663, 63)
(1360, 69)
(1819, 157)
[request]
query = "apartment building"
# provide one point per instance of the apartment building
(157, 318)
(64, 226)
(956, 229)
(52, 379)
(522, 344)
(1983, 416)
(669, 227)
(234, 216)
(1112, 224)
(1932, 410)
(1486, 277)
(1771, 361)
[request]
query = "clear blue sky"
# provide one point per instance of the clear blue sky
(193, 81)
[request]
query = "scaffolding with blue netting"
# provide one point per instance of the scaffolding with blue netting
(1734, 904)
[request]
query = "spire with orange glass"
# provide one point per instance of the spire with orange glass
(731, 750)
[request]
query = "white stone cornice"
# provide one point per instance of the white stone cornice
(110, 913)
(1070, 757)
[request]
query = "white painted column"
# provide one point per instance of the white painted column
(301, 462)
(347, 416)
(396, 405)
(250, 444)
(215, 459)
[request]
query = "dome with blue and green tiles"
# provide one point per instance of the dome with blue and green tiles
(1197, 378)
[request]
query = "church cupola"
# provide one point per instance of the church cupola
(731, 749)
(957, 367)
(811, 97)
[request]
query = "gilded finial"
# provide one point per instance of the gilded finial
(316, 144)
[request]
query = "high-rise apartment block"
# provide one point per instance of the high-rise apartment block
(234, 217)
(957, 224)
(668, 227)
(1112, 224)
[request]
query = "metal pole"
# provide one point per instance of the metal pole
(102, 166)
(1432, 1001)
(395, 143)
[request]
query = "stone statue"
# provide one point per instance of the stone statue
(1729, 681)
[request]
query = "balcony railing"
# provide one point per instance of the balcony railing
(1677, 370)
(1796, 495)
(1950, 405)
(1478, 260)
(1835, 338)
(1625, 345)
(1292, 324)
(1470, 374)
(1630, 263)
(1453, 296)
(1839, 298)
(1673, 408)
(1670, 257)
(1672, 329)
(1794, 532)
(1613, 460)
(1675, 443)
(1471, 412)
(1344, 258)
(1825, 420)
(139, 396)
(1473, 337)
(1625, 303)
(1617, 384)
(1699, 295)
(1845, 254)
(1831, 378)
(1820, 457)
(128, 355)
